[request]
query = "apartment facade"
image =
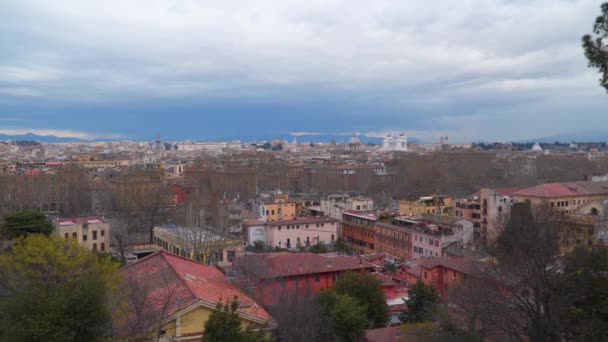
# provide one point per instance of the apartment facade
(440, 205)
(301, 232)
(277, 207)
(358, 229)
(91, 232)
(394, 240)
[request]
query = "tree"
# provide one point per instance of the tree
(346, 315)
(224, 325)
(596, 48)
(26, 222)
(342, 246)
(366, 288)
(349, 318)
(584, 285)
(301, 317)
(53, 289)
(421, 303)
(319, 247)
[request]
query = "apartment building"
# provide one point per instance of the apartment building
(435, 204)
(358, 229)
(91, 232)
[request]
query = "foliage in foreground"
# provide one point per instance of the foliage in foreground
(54, 290)
(224, 325)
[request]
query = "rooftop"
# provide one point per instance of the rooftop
(460, 264)
(282, 264)
(565, 189)
(191, 282)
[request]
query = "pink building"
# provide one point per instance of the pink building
(303, 232)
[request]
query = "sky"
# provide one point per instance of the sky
(486, 70)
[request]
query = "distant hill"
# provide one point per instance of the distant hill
(570, 137)
(39, 138)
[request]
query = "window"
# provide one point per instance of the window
(95, 247)
(425, 275)
(437, 243)
(103, 232)
(94, 235)
(75, 235)
(103, 246)
(66, 235)
(317, 279)
(84, 237)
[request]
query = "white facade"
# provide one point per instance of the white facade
(391, 143)
(303, 232)
(335, 205)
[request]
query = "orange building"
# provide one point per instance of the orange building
(444, 272)
(394, 240)
(358, 229)
(278, 207)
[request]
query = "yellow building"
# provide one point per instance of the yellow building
(439, 205)
(91, 232)
(567, 197)
(200, 244)
(278, 207)
(180, 295)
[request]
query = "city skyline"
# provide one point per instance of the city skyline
(501, 70)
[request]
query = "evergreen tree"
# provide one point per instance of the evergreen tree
(365, 288)
(224, 325)
(596, 47)
(26, 222)
(421, 303)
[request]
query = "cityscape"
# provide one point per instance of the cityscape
(262, 210)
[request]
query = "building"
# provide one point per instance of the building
(430, 234)
(391, 143)
(469, 208)
(203, 244)
(565, 197)
(253, 230)
(276, 207)
(358, 229)
(301, 232)
(270, 276)
(440, 205)
(494, 202)
(445, 272)
(394, 240)
(91, 232)
(180, 295)
(334, 205)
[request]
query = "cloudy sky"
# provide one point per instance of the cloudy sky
(472, 70)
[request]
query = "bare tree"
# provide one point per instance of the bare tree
(142, 307)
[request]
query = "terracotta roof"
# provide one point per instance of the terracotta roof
(252, 222)
(507, 191)
(460, 264)
(390, 334)
(566, 189)
(185, 283)
(282, 264)
(299, 220)
(386, 281)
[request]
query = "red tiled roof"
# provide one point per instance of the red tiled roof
(385, 280)
(565, 189)
(300, 220)
(282, 264)
(184, 282)
(460, 264)
(507, 191)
